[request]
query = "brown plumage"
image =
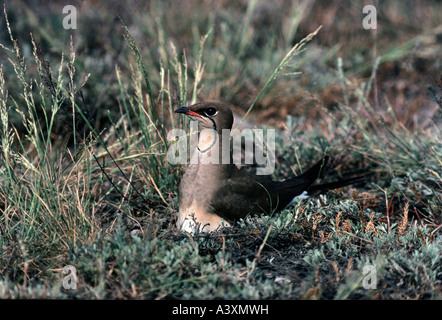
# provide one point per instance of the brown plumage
(213, 194)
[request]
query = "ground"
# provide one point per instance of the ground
(85, 181)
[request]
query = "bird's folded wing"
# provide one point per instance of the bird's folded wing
(239, 196)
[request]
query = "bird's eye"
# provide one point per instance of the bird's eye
(210, 112)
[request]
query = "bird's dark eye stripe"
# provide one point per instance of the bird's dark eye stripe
(211, 112)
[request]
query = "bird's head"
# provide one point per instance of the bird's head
(210, 115)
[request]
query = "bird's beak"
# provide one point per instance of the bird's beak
(187, 111)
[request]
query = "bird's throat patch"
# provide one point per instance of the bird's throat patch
(207, 140)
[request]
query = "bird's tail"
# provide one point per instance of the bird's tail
(314, 172)
(322, 188)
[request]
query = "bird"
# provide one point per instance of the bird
(215, 194)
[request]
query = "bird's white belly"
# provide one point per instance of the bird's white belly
(194, 216)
